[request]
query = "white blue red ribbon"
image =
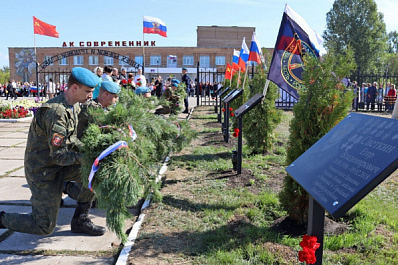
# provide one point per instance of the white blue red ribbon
(133, 135)
(105, 153)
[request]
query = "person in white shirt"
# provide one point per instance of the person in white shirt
(140, 78)
(50, 88)
(107, 74)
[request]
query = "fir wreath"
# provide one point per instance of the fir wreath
(128, 174)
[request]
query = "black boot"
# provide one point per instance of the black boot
(82, 224)
(1, 223)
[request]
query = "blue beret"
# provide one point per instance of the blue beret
(184, 68)
(110, 86)
(85, 76)
(174, 84)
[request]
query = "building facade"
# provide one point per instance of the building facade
(214, 50)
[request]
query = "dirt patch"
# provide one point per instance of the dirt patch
(287, 226)
(286, 253)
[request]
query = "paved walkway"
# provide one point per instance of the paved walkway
(62, 247)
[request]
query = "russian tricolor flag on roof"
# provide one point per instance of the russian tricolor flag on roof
(153, 25)
(243, 56)
(255, 54)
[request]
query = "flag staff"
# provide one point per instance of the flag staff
(37, 66)
(244, 79)
(143, 50)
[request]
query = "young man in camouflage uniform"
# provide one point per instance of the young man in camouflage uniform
(51, 158)
(108, 96)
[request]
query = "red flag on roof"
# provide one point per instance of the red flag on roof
(43, 28)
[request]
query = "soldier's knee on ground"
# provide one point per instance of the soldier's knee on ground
(46, 230)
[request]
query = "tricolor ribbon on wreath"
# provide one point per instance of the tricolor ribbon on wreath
(105, 153)
(121, 144)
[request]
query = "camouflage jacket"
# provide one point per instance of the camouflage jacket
(84, 117)
(52, 142)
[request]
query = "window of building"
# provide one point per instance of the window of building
(187, 60)
(139, 59)
(204, 61)
(121, 62)
(108, 60)
(93, 60)
(63, 78)
(172, 61)
(46, 57)
(220, 60)
(78, 60)
(63, 61)
(156, 60)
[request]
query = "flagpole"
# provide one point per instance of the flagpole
(266, 87)
(37, 68)
(244, 79)
(143, 50)
(237, 83)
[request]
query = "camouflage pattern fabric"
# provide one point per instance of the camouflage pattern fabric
(50, 160)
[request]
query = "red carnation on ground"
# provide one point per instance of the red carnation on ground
(232, 114)
(223, 110)
(231, 109)
(309, 245)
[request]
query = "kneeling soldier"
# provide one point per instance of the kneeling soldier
(51, 158)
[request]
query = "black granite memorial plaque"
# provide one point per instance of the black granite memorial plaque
(229, 93)
(222, 93)
(348, 162)
(233, 95)
(219, 90)
(251, 103)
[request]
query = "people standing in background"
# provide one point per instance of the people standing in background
(123, 75)
(380, 97)
(158, 86)
(139, 79)
(371, 96)
(390, 98)
(51, 89)
(115, 75)
(99, 71)
(106, 76)
(187, 80)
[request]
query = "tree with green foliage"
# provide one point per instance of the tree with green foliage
(393, 42)
(4, 75)
(323, 103)
(259, 123)
(357, 24)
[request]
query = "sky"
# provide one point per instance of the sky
(88, 20)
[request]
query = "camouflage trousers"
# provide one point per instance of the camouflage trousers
(46, 200)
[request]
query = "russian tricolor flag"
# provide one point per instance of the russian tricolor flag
(255, 54)
(153, 25)
(235, 60)
(243, 56)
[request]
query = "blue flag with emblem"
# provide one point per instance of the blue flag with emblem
(295, 39)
